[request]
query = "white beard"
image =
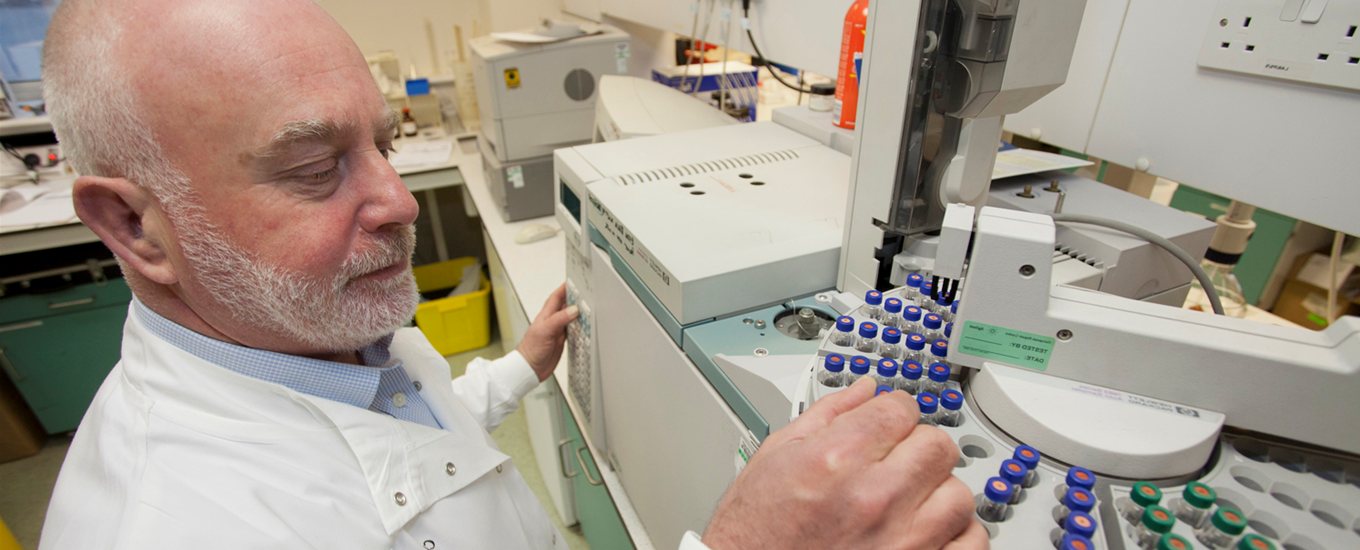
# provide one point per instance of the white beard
(325, 312)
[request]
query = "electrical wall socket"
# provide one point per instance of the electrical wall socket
(1309, 41)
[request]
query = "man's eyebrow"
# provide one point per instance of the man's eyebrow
(295, 132)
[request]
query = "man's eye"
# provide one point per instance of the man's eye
(386, 149)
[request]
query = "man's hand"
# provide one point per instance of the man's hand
(854, 471)
(542, 343)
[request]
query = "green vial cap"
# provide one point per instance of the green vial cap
(1229, 521)
(1199, 495)
(1255, 542)
(1172, 541)
(1158, 519)
(1145, 494)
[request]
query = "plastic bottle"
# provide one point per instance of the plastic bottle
(1080, 523)
(1014, 473)
(929, 405)
(1195, 504)
(914, 349)
(832, 374)
(886, 373)
(1029, 456)
(859, 367)
(910, 381)
(847, 75)
(932, 327)
(892, 312)
(1223, 529)
(1156, 521)
(1172, 541)
(1254, 541)
(912, 292)
(844, 335)
(873, 304)
(891, 346)
(1075, 542)
(1143, 494)
(1076, 499)
(937, 376)
(951, 401)
(867, 341)
(996, 498)
(911, 319)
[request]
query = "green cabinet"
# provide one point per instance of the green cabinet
(1263, 251)
(57, 347)
(595, 510)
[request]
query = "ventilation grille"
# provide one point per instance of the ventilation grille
(1078, 256)
(707, 167)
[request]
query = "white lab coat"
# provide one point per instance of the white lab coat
(175, 452)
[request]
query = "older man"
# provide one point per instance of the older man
(233, 158)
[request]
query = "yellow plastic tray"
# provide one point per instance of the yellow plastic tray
(457, 323)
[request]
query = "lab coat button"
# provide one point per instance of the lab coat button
(399, 400)
(417, 384)
(401, 499)
(450, 469)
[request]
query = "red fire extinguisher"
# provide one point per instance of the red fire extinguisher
(847, 76)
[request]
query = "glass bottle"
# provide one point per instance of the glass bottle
(1029, 456)
(844, 335)
(1193, 508)
(873, 304)
(1156, 521)
(892, 312)
(910, 381)
(928, 404)
(1223, 529)
(832, 374)
(890, 347)
(951, 401)
(859, 368)
(886, 373)
(915, 348)
(937, 378)
(868, 337)
(996, 498)
(1144, 494)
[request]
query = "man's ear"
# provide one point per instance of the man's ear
(124, 216)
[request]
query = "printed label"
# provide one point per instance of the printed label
(515, 175)
(1006, 345)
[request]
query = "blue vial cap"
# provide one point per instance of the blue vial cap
(892, 335)
(1080, 524)
(892, 305)
(1075, 542)
(940, 348)
(916, 342)
(1013, 471)
(887, 368)
(914, 280)
(1029, 456)
(1080, 477)
(948, 329)
(951, 399)
(835, 362)
(954, 307)
(845, 323)
(868, 329)
(926, 286)
(933, 321)
(1079, 500)
(942, 300)
(911, 370)
(873, 297)
(911, 313)
(939, 372)
(998, 490)
(928, 403)
(882, 390)
(859, 364)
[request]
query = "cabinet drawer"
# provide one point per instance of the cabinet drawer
(27, 307)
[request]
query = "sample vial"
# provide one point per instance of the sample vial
(912, 292)
(1254, 541)
(868, 337)
(948, 330)
(996, 498)
(910, 380)
(926, 288)
(936, 378)
(844, 335)
(1081, 477)
(951, 401)
(1014, 473)
(915, 348)
(1193, 508)
(942, 307)
(832, 374)
(1144, 494)
(1075, 542)
(939, 351)
(953, 310)
(1076, 499)
(932, 327)
(873, 304)
(928, 404)
(891, 346)
(886, 373)
(859, 367)
(1156, 521)
(1223, 529)
(1029, 456)
(892, 312)
(882, 390)
(1080, 523)
(911, 319)
(1172, 541)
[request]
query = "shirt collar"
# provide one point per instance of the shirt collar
(356, 385)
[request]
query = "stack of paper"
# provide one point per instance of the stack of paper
(30, 205)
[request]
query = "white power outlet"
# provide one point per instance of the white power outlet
(1310, 41)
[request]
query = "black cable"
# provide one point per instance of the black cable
(746, 17)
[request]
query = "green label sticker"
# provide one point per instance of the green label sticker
(1007, 345)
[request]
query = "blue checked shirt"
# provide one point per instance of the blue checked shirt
(380, 385)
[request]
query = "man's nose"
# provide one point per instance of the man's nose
(388, 204)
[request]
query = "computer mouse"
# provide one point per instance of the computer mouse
(535, 232)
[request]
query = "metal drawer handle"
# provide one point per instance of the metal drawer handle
(71, 303)
(561, 462)
(582, 462)
(9, 367)
(21, 326)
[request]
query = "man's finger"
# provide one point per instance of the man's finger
(826, 409)
(875, 428)
(973, 538)
(943, 515)
(554, 303)
(927, 457)
(558, 321)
